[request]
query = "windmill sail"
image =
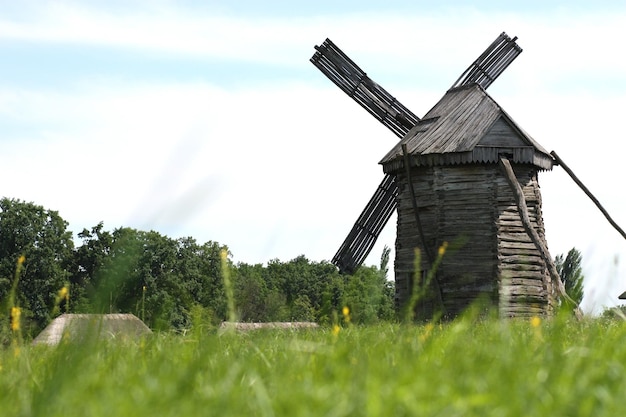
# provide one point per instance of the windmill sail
(491, 63)
(368, 226)
(342, 71)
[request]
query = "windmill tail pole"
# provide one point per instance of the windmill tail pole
(586, 191)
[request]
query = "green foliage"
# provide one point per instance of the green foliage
(89, 258)
(40, 236)
(300, 290)
(363, 295)
(369, 295)
(386, 307)
(155, 277)
(302, 309)
(615, 313)
(252, 294)
(467, 367)
(114, 268)
(166, 281)
(570, 270)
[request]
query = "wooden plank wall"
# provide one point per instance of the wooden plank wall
(455, 206)
(472, 205)
(525, 284)
(407, 238)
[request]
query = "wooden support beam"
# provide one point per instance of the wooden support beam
(522, 208)
(407, 168)
(429, 254)
(586, 191)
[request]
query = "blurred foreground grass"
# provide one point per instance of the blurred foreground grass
(469, 367)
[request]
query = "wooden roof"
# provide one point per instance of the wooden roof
(467, 126)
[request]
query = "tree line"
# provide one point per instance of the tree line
(170, 282)
(166, 281)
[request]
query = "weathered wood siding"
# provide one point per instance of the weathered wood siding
(490, 256)
(466, 126)
(524, 281)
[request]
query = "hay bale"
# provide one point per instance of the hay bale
(271, 325)
(77, 326)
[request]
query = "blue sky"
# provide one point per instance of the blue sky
(207, 119)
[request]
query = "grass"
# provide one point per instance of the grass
(470, 367)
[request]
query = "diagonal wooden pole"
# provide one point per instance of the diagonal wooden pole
(407, 168)
(586, 191)
(522, 208)
(429, 253)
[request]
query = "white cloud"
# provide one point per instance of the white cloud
(558, 40)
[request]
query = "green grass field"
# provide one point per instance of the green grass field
(470, 367)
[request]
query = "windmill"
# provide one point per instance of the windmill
(342, 71)
(466, 170)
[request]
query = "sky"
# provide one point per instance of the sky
(206, 118)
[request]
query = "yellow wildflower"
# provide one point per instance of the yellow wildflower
(15, 318)
(442, 249)
(21, 260)
(63, 293)
(427, 331)
(346, 314)
(336, 329)
(535, 321)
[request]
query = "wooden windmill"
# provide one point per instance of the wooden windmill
(466, 172)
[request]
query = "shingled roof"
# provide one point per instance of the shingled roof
(467, 126)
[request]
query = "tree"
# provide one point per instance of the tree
(363, 294)
(159, 279)
(571, 273)
(302, 310)
(250, 290)
(614, 313)
(199, 267)
(89, 258)
(39, 235)
(386, 310)
(116, 282)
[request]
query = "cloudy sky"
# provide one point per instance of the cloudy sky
(207, 119)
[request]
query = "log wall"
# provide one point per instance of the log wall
(524, 280)
(489, 255)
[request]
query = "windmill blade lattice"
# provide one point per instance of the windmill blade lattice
(342, 71)
(491, 63)
(362, 237)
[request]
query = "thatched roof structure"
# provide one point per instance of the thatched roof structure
(77, 326)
